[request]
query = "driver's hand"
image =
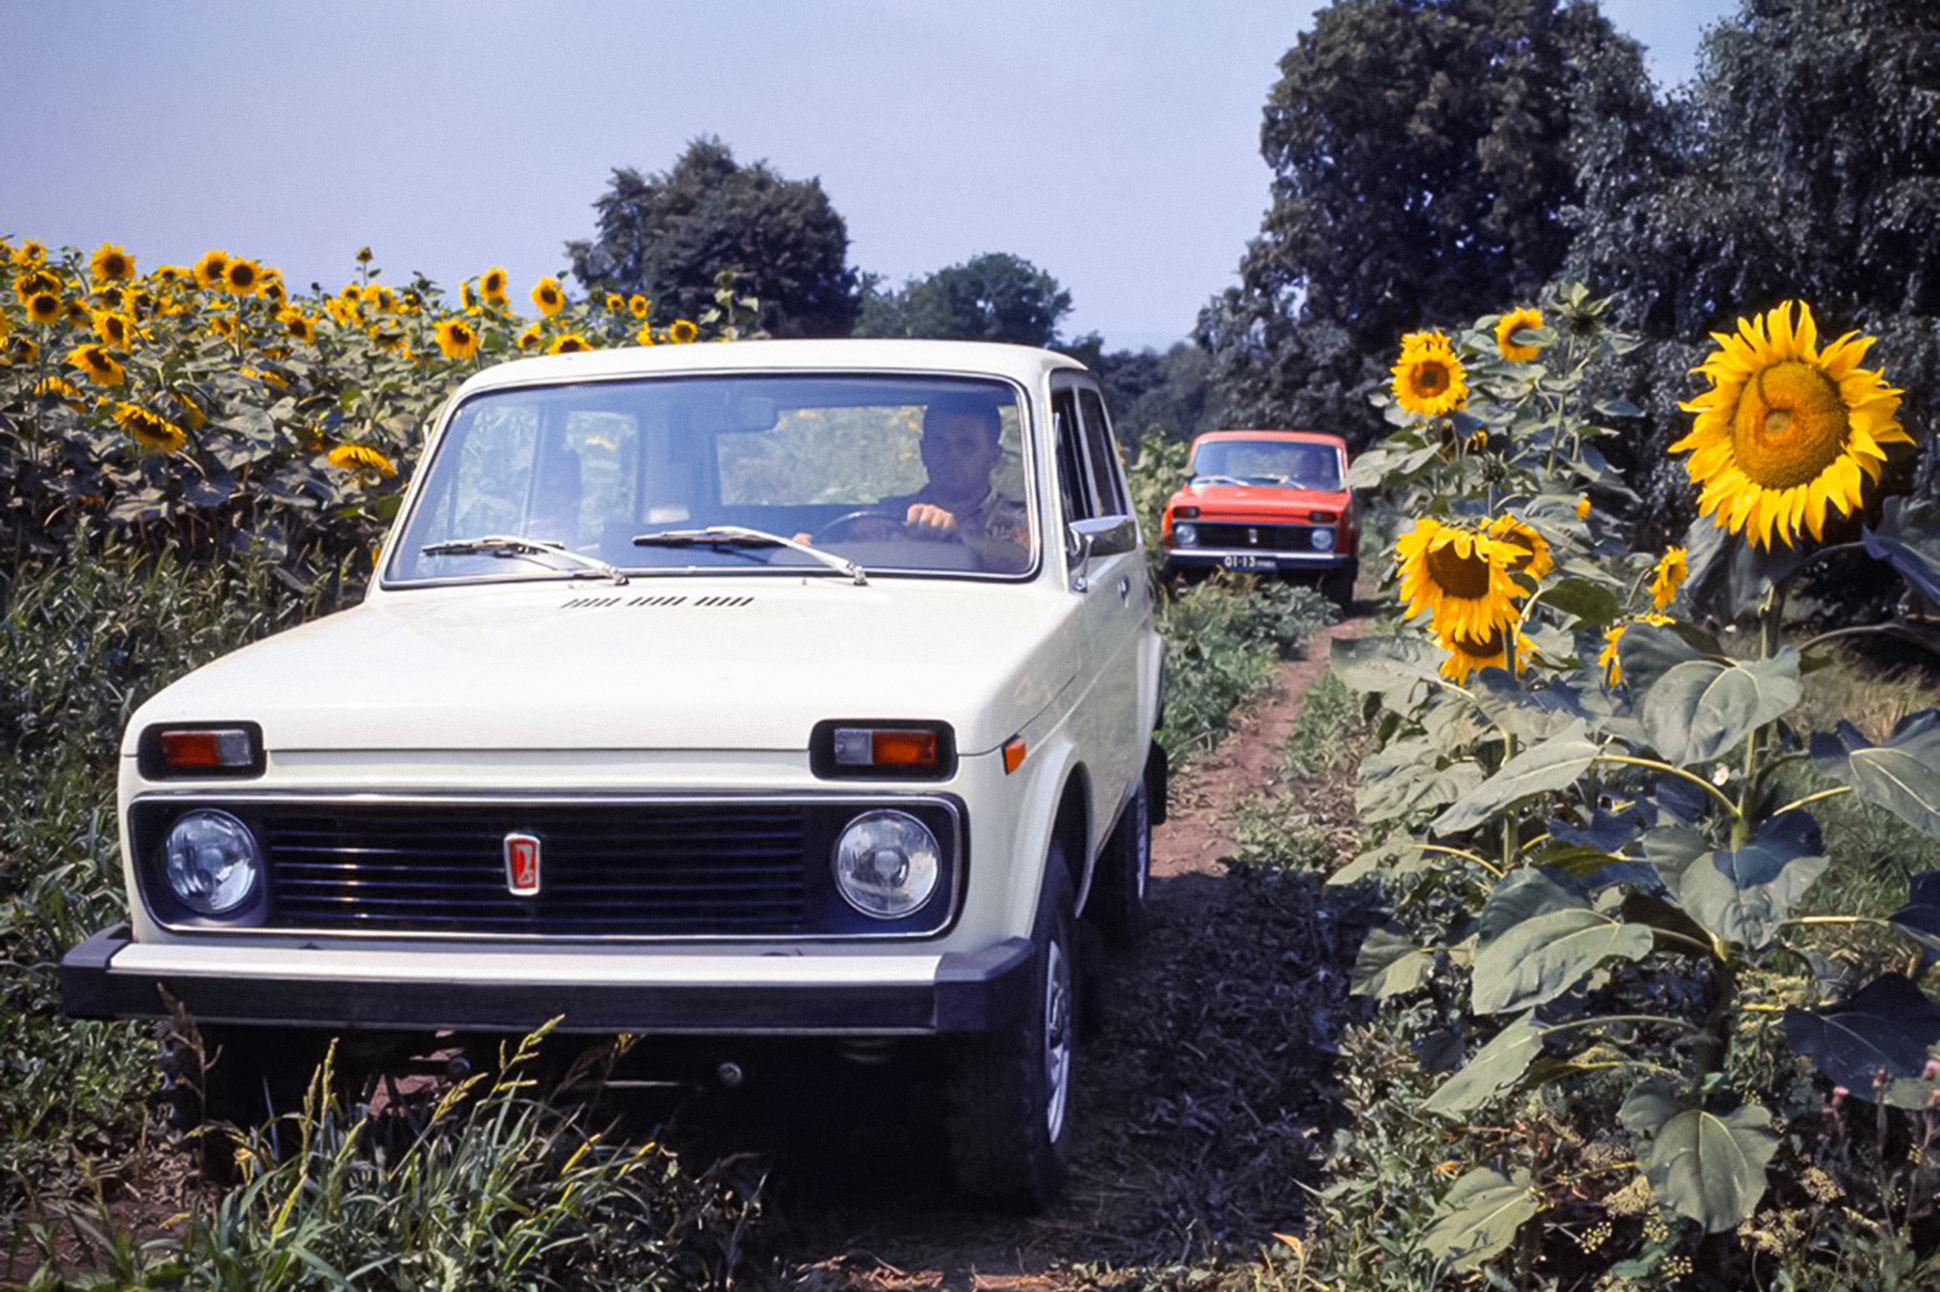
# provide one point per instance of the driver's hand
(927, 520)
(804, 538)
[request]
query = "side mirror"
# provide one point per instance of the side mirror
(1100, 536)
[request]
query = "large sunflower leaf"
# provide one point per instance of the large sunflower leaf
(1730, 576)
(1386, 665)
(1389, 963)
(1744, 895)
(1890, 1024)
(1901, 775)
(1522, 893)
(1479, 1218)
(1399, 855)
(1711, 1168)
(1702, 708)
(1408, 776)
(1495, 1067)
(1553, 764)
(1910, 547)
(1547, 954)
(1648, 651)
(1527, 713)
(1921, 914)
(1591, 604)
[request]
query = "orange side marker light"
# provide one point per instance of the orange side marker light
(1013, 754)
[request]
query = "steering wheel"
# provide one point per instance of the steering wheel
(850, 518)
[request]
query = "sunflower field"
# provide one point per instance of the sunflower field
(1652, 996)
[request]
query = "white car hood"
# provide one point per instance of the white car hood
(746, 664)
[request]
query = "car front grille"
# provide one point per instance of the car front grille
(606, 869)
(1278, 538)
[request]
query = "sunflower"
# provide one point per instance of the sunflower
(351, 292)
(98, 364)
(615, 302)
(242, 277)
(570, 343)
(113, 329)
(381, 297)
(530, 337)
(491, 285)
(222, 325)
(22, 349)
(467, 298)
(456, 339)
(111, 264)
(1582, 506)
(1533, 561)
(1787, 431)
(64, 391)
(34, 282)
(212, 269)
(31, 251)
(1667, 577)
(267, 378)
(273, 289)
(299, 325)
(682, 332)
(1458, 577)
(361, 459)
(639, 306)
(1608, 657)
(389, 337)
(547, 296)
(1466, 655)
(1527, 318)
(150, 430)
(341, 310)
(45, 308)
(1429, 380)
(645, 335)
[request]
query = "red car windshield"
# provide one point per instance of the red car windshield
(1285, 463)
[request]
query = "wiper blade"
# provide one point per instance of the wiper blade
(531, 549)
(741, 536)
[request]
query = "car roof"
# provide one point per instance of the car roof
(1298, 437)
(1023, 364)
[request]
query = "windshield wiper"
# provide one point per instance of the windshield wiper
(531, 549)
(741, 536)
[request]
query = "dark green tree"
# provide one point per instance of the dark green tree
(1167, 394)
(669, 236)
(992, 297)
(1422, 153)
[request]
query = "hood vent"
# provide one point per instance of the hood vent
(661, 602)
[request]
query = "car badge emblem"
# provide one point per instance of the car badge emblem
(522, 865)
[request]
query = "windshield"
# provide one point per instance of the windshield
(1270, 462)
(894, 474)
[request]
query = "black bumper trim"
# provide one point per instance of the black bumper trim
(975, 991)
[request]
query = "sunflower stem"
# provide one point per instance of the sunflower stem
(1654, 764)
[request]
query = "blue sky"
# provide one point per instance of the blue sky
(1114, 143)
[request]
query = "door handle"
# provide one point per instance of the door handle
(1125, 588)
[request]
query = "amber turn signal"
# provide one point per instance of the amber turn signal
(1013, 754)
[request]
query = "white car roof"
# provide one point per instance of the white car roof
(1023, 364)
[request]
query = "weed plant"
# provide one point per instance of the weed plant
(1222, 644)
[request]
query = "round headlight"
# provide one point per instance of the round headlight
(1323, 540)
(1185, 535)
(213, 861)
(887, 864)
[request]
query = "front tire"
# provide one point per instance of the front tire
(215, 1078)
(1010, 1091)
(1117, 901)
(1338, 586)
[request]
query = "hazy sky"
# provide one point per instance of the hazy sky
(1114, 143)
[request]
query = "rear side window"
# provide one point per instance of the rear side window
(1074, 493)
(1106, 470)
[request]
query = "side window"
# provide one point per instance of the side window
(1073, 491)
(1107, 482)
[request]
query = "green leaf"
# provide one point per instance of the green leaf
(1385, 666)
(1712, 1168)
(1545, 955)
(1889, 1025)
(1701, 708)
(1522, 893)
(1479, 1217)
(1594, 606)
(1495, 1068)
(1389, 963)
(1901, 775)
(1648, 651)
(1400, 855)
(1527, 713)
(1743, 896)
(1554, 764)
(1408, 777)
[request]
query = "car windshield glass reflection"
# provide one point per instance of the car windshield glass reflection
(1269, 462)
(884, 474)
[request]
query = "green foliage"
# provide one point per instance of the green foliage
(1321, 737)
(1423, 153)
(1149, 394)
(992, 297)
(1223, 642)
(497, 1189)
(671, 235)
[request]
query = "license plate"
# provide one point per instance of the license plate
(1246, 561)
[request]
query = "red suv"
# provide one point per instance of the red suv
(1269, 502)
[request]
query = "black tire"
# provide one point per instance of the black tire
(1338, 585)
(220, 1080)
(1010, 1091)
(1116, 904)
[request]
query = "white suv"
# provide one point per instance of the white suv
(704, 691)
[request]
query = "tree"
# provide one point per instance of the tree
(1422, 159)
(992, 297)
(1170, 395)
(671, 234)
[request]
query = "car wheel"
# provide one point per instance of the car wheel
(1010, 1091)
(215, 1078)
(1117, 901)
(1338, 585)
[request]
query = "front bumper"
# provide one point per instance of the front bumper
(111, 976)
(1256, 559)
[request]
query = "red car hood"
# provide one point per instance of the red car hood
(1258, 501)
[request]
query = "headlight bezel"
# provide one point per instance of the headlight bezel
(165, 900)
(931, 867)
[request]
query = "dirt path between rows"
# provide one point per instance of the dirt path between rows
(1201, 1102)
